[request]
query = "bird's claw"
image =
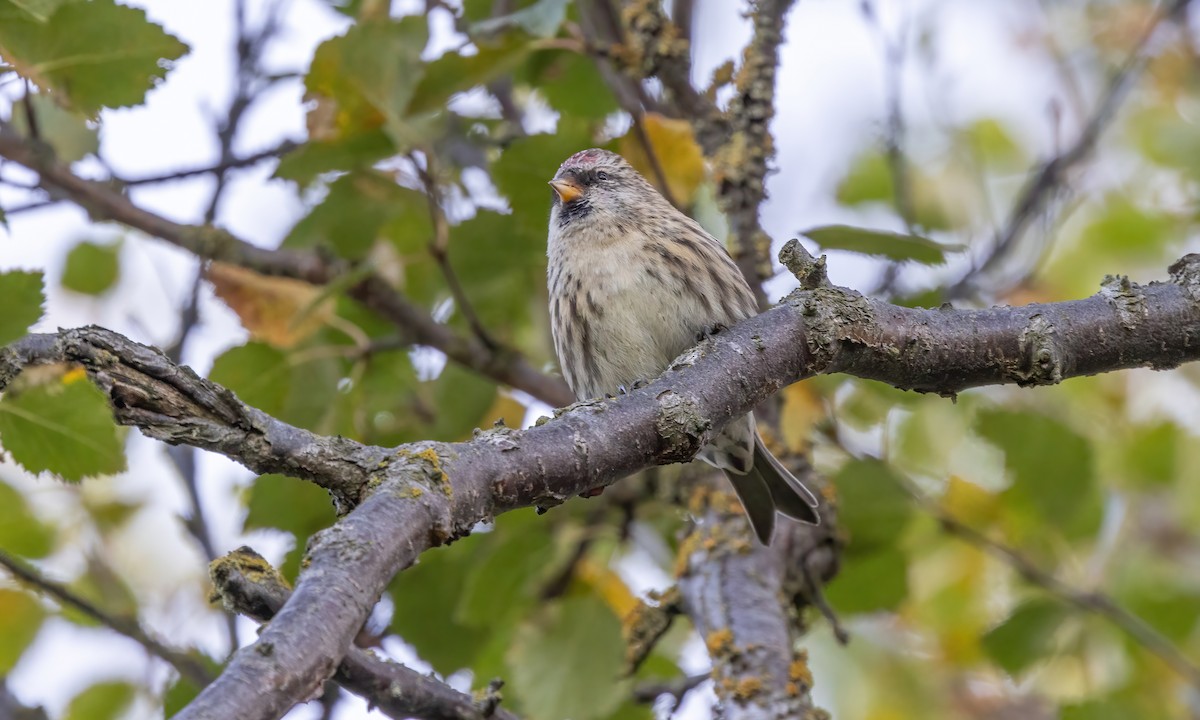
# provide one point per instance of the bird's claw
(635, 385)
(711, 331)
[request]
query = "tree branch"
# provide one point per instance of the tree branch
(247, 584)
(187, 665)
(425, 494)
(103, 202)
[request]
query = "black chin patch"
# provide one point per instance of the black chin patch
(572, 211)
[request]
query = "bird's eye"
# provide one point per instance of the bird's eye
(601, 175)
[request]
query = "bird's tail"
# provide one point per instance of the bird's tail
(769, 487)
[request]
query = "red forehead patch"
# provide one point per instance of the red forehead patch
(584, 157)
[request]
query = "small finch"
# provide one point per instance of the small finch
(633, 283)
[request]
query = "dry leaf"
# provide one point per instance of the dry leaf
(280, 311)
(678, 155)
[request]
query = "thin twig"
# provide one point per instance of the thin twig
(1050, 178)
(188, 666)
(677, 689)
(235, 163)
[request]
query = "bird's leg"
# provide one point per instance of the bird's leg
(710, 331)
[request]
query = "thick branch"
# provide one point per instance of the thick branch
(248, 585)
(103, 202)
(427, 494)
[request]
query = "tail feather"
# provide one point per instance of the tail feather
(789, 495)
(757, 500)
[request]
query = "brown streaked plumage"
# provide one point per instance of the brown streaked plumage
(633, 283)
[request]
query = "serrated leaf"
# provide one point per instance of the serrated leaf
(879, 243)
(1052, 465)
(1026, 636)
(870, 582)
(364, 80)
(64, 427)
(21, 617)
(277, 310)
(541, 19)
(295, 506)
(425, 596)
(102, 701)
(675, 148)
(94, 54)
(351, 152)
(567, 663)
(872, 506)
(21, 532)
(22, 298)
(92, 268)
(66, 132)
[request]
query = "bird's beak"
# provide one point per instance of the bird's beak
(566, 189)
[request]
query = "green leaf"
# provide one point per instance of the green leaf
(102, 701)
(257, 373)
(461, 398)
(869, 180)
(528, 163)
(21, 533)
(1152, 453)
(21, 617)
(573, 85)
(870, 582)
(352, 215)
(65, 428)
(454, 72)
(370, 74)
(506, 578)
(873, 508)
(91, 268)
(1172, 611)
(1052, 465)
(993, 144)
(425, 596)
(498, 263)
(1026, 636)
(541, 19)
(96, 54)
(22, 298)
(1130, 233)
(291, 505)
(352, 152)
(879, 243)
(66, 132)
(567, 663)
(39, 10)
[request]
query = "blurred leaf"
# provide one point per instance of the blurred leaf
(182, 691)
(64, 427)
(1151, 453)
(278, 310)
(568, 663)
(1171, 611)
(21, 532)
(365, 79)
(1026, 636)
(522, 172)
(1052, 465)
(22, 298)
(352, 215)
(498, 264)
(893, 246)
(96, 54)
(573, 85)
(870, 582)
(508, 572)
(291, 505)
(92, 268)
(39, 10)
(105, 588)
(257, 373)
(967, 502)
(675, 148)
(873, 508)
(21, 617)
(353, 152)
(66, 132)
(993, 144)
(868, 180)
(461, 398)
(1124, 231)
(541, 19)
(425, 597)
(102, 701)
(454, 72)
(802, 409)
(380, 407)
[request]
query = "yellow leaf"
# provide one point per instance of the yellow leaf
(969, 503)
(608, 585)
(506, 408)
(676, 150)
(279, 311)
(802, 410)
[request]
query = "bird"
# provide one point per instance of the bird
(633, 283)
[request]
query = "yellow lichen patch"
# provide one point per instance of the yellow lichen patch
(690, 545)
(799, 671)
(430, 456)
(747, 688)
(698, 502)
(719, 642)
(412, 491)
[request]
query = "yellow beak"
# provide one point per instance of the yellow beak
(566, 189)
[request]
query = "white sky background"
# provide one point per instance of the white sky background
(831, 100)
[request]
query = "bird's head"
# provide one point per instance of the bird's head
(595, 184)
